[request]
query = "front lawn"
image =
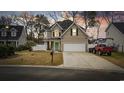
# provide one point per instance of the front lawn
(32, 58)
(116, 58)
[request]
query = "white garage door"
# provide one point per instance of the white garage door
(74, 47)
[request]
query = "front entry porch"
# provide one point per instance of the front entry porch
(13, 43)
(55, 45)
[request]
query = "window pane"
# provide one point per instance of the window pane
(74, 32)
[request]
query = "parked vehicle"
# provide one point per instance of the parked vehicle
(101, 49)
(91, 47)
(101, 46)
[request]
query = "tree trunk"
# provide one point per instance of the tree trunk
(98, 31)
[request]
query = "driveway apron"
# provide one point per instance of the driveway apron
(89, 61)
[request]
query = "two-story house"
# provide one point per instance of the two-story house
(11, 34)
(66, 36)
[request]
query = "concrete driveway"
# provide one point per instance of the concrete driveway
(88, 61)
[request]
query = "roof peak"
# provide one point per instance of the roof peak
(64, 24)
(119, 26)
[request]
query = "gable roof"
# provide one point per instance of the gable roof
(118, 25)
(18, 30)
(66, 24)
(63, 25)
(81, 28)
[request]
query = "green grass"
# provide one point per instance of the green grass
(32, 58)
(116, 58)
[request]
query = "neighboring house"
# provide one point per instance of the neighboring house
(66, 36)
(11, 34)
(116, 31)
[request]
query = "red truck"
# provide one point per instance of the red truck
(101, 49)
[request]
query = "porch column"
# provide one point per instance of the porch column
(49, 46)
(4, 42)
(16, 43)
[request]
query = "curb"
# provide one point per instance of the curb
(62, 67)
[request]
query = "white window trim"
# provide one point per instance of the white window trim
(74, 32)
(45, 34)
(56, 33)
(13, 34)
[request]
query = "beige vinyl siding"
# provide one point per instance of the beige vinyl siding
(81, 38)
(54, 31)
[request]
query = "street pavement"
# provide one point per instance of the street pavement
(56, 74)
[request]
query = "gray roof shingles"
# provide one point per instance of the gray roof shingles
(119, 26)
(63, 24)
(18, 28)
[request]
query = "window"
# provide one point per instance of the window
(3, 33)
(13, 34)
(53, 34)
(45, 34)
(59, 33)
(56, 33)
(74, 32)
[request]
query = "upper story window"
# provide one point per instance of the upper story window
(3, 32)
(45, 34)
(56, 33)
(13, 32)
(74, 32)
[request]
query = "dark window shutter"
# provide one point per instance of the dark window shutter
(53, 34)
(77, 31)
(59, 33)
(71, 32)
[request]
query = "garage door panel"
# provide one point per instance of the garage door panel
(74, 47)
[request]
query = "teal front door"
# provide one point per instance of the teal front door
(56, 46)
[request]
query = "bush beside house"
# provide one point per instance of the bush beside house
(6, 50)
(27, 46)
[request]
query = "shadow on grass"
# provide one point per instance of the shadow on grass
(10, 57)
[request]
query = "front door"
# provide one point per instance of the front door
(56, 46)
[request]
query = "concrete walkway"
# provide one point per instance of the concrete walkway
(88, 61)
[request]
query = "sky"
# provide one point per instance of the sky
(118, 16)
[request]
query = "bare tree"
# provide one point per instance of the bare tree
(108, 16)
(30, 26)
(69, 14)
(41, 24)
(99, 22)
(53, 15)
(65, 15)
(89, 18)
(23, 19)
